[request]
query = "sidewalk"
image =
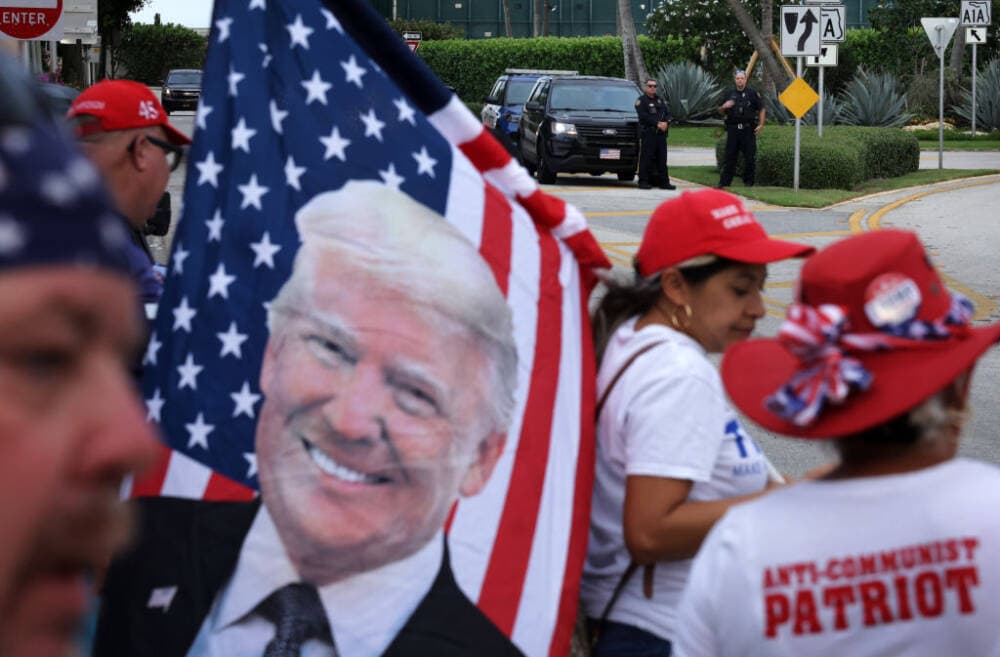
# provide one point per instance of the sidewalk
(694, 156)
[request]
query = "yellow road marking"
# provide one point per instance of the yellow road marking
(985, 306)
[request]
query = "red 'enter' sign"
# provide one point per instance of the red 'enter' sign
(29, 19)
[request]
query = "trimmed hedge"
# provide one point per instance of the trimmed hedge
(148, 52)
(845, 157)
(473, 66)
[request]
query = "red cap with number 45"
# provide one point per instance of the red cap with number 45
(122, 105)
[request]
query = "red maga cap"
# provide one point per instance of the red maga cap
(708, 222)
(122, 105)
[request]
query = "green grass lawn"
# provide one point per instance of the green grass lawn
(819, 198)
(706, 136)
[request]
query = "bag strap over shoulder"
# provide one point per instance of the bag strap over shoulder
(618, 375)
(647, 579)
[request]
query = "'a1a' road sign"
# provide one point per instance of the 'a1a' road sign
(976, 12)
(31, 19)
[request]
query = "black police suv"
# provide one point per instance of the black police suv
(580, 124)
(181, 90)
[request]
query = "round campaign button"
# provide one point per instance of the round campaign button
(891, 299)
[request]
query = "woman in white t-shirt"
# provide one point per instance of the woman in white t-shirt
(896, 551)
(671, 454)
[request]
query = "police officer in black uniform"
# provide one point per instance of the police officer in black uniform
(654, 121)
(744, 120)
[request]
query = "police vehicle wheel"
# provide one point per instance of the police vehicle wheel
(546, 175)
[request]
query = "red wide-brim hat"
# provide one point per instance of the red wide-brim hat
(879, 279)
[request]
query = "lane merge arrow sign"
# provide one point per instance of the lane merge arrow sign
(800, 30)
(939, 31)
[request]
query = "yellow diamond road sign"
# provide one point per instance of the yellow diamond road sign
(798, 97)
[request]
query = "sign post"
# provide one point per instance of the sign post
(940, 31)
(798, 98)
(800, 37)
(827, 57)
(976, 15)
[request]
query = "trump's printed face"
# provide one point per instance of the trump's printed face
(373, 423)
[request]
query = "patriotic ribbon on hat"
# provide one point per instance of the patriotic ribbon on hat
(819, 337)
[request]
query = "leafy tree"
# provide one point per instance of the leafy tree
(112, 20)
(896, 20)
(149, 51)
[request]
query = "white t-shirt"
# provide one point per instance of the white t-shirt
(903, 564)
(667, 416)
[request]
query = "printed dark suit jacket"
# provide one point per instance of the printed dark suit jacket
(194, 545)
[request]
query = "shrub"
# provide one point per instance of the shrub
(873, 99)
(691, 92)
(842, 159)
(473, 66)
(987, 99)
(147, 52)
(923, 90)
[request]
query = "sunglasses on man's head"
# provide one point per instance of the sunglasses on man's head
(175, 153)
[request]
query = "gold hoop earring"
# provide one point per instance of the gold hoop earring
(687, 319)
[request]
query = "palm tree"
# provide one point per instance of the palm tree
(635, 65)
(763, 47)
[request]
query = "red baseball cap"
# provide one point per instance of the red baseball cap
(886, 286)
(708, 222)
(122, 105)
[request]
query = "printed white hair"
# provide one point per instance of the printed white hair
(413, 249)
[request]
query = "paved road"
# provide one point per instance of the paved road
(956, 220)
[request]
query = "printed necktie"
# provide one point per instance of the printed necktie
(298, 616)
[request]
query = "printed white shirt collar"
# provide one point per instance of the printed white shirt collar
(365, 611)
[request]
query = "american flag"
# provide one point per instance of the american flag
(299, 98)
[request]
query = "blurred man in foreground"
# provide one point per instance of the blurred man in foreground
(71, 426)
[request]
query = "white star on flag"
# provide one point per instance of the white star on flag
(293, 173)
(267, 55)
(373, 127)
(390, 177)
(232, 341)
(241, 136)
(331, 21)
(189, 372)
(151, 349)
(234, 78)
(180, 255)
(223, 25)
(257, 4)
(183, 314)
(425, 163)
(277, 116)
(252, 193)
(251, 459)
(219, 282)
(264, 251)
(215, 225)
(209, 170)
(299, 33)
(335, 145)
(406, 113)
(244, 401)
(198, 432)
(316, 88)
(352, 72)
(154, 406)
(203, 112)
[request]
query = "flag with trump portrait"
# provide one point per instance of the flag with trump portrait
(302, 99)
